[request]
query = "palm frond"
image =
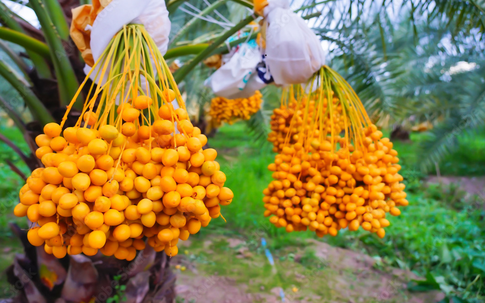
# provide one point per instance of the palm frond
(443, 139)
(258, 125)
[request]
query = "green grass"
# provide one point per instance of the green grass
(431, 235)
(466, 160)
(245, 161)
(217, 258)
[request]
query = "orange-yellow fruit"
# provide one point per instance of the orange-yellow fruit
(51, 175)
(139, 244)
(178, 220)
(116, 174)
(226, 194)
(208, 168)
(136, 230)
(142, 155)
(193, 226)
(111, 188)
(203, 139)
(59, 251)
(49, 231)
(170, 157)
(113, 217)
(97, 239)
(145, 206)
(163, 127)
(119, 202)
(68, 169)
(90, 118)
(126, 185)
(42, 151)
(89, 251)
(149, 171)
(194, 144)
(29, 198)
(58, 143)
(81, 181)
(102, 204)
(121, 253)
(70, 135)
(119, 141)
(171, 199)
(168, 184)
(94, 220)
(85, 135)
(74, 250)
(98, 177)
(47, 191)
(34, 238)
(128, 129)
(86, 163)
(80, 211)
(36, 184)
(108, 132)
(52, 130)
(171, 251)
(122, 233)
(166, 112)
(142, 102)
(157, 206)
(165, 235)
(218, 178)
(212, 191)
(43, 140)
(199, 192)
(210, 154)
(20, 210)
(181, 175)
(97, 147)
(149, 219)
(185, 127)
(185, 190)
(181, 114)
(154, 193)
(395, 211)
(110, 248)
(142, 184)
(68, 201)
(130, 114)
(168, 95)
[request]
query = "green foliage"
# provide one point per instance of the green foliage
(432, 234)
(400, 69)
(465, 159)
(424, 62)
(310, 260)
(11, 182)
(462, 154)
(119, 295)
(431, 237)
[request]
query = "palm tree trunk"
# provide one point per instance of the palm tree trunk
(39, 277)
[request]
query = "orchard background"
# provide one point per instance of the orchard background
(417, 65)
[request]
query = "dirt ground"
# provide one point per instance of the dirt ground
(346, 276)
(470, 185)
